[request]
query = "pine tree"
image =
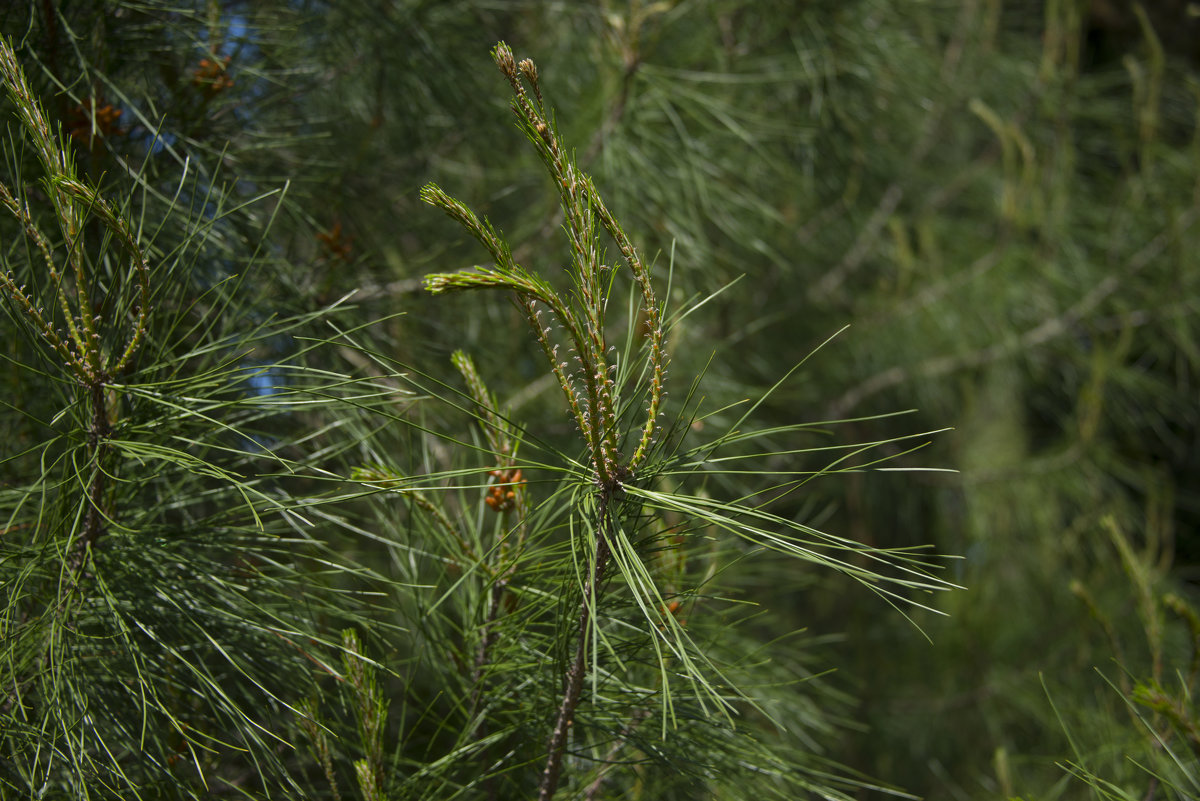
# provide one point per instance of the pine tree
(280, 521)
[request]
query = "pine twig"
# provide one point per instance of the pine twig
(574, 679)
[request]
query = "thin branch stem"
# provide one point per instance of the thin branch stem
(574, 681)
(1026, 341)
(93, 525)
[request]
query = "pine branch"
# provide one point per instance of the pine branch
(574, 679)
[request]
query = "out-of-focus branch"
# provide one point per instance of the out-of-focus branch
(1034, 337)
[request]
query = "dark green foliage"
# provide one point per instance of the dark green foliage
(289, 526)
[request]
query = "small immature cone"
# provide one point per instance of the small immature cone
(505, 61)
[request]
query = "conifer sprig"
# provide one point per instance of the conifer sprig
(157, 621)
(621, 502)
(82, 350)
(582, 318)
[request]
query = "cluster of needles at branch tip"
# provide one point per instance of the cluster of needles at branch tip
(80, 346)
(585, 376)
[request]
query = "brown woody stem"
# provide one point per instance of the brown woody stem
(93, 525)
(574, 683)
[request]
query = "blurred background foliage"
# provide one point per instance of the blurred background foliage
(999, 198)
